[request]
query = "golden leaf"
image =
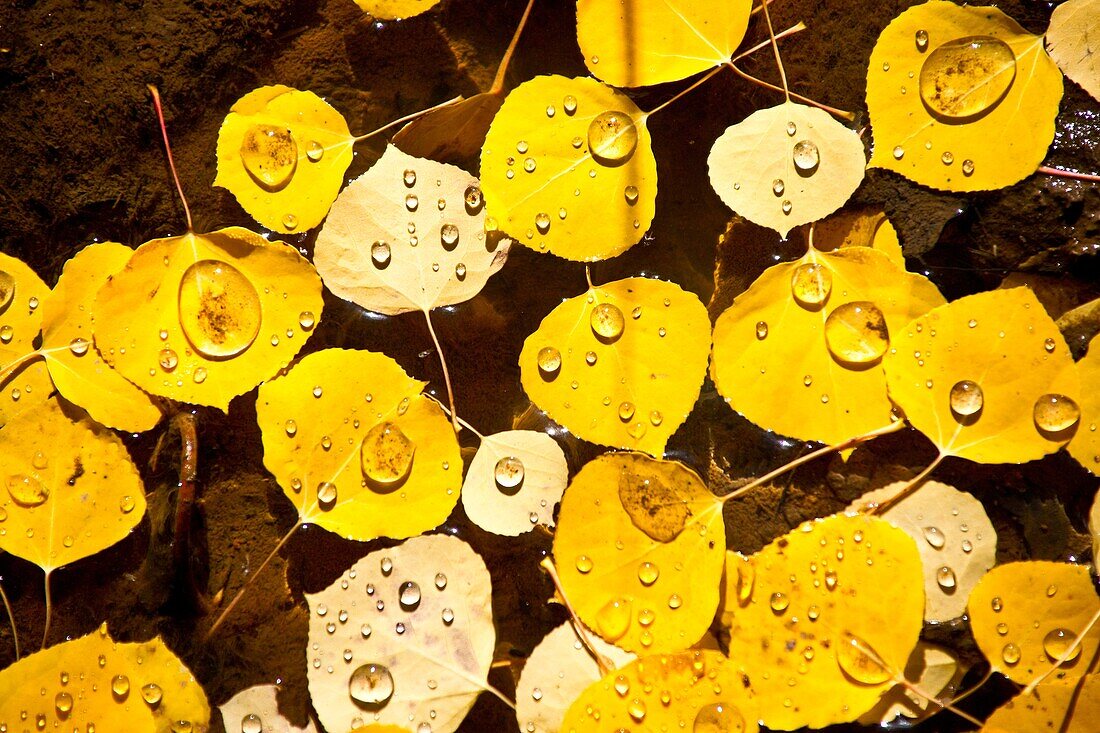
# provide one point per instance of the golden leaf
(647, 42)
(452, 134)
(396, 9)
(933, 670)
(408, 235)
(817, 610)
(22, 293)
(985, 127)
(568, 168)
(1085, 445)
(1024, 615)
(202, 318)
(70, 488)
(430, 666)
(283, 153)
(791, 338)
(357, 448)
(1050, 707)
(986, 378)
(620, 365)
(1071, 39)
(858, 227)
(644, 574)
(787, 165)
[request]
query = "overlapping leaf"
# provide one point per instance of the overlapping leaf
(568, 168)
(405, 636)
(620, 365)
(858, 227)
(933, 670)
(770, 346)
(283, 153)
(1051, 706)
(1085, 445)
(357, 448)
(22, 293)
(1071, 38)
(961, 98)
(396, 9)
(257, 709)
(202, 318)
(986, 378)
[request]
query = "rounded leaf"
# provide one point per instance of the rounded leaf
(1051, 706)
(1074, 26)
(22, 293)
(259, 705)
(1085, 445)
(396, 9)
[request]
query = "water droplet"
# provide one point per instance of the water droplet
(968, 167)
(934, 537)
(719, 717)
(966, 77)
(409, 178)
(655, 417)
(219, 309)
(621, 685)
(63, 701)
(1055, 413)
(1058, 641)
(7, 289)
(542, 222)
(27, 491)
(412, 202)
(199, 375)
(6, 334)
(675, 601)
(120, 686)
(613, 619)
(1052, 590)
(270, 155)
(778, 187)
(830, 579)
(387, 455)
(857, 664)
(947, 158)
(856, 332)
(371, 684)
(761, 330)
(326, 495)
(791, 129)
(549, 361)
(126, 504)
(590, 358)
(79, 346)
(921, 38)
(612, 137)
(448, 616)
(168, 360)
(607, 322)
(448, 235)
(409, 595)
(786, 206)
(528, 165)
(779, 602)
(1002, 628)
(806, 156)
(945, 576)
(151, 693)
(290, 222)
(636, 709)
(996, 604)
(1010, 653)
(648, 573)
(811, 284)
(967, 546)
(899, 152)
(626, 411)
(508, 473)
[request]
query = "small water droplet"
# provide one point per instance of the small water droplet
(326, 494)
(549, 361)
(899, 152)
(626, 411)
(409, 178)
(934, 537)
(409, 595)
(761, 330)
(779, 602)
(945, 576)
(387, 454)
(648, 573)
(151, 693)
(1010, 654)
(613, 619)
(968, 167)
(921, 38)
(1055, 413)
(120, 686)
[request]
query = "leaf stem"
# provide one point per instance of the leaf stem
(168, 150)
(184, 423)
(251, 578)
(606, 665)
(406, 118)
(8, 370)
(11, 619)
(1068, 174)
(880, 508)
(49, 607)
(1069, 652)
(775, 48)
(682, 93)
(796, 28)
(849, 116)
(845, 445)
(498, 80)
(446, 374)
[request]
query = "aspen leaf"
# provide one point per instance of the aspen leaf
(698, 690)
(1094, 529)
(22, 293)
(1071, 42)
(357, 448)
(956, 541)
(1085, 445)
(983, 375)
(568, 168)
(515, 480)
(396, 9)
(70, 488)
(620, 365)
(858, 227)
(283, 153)
(202, 318)
(1023, 615)
(961, 98)
(451, 134)
(77, 368)
(787, 165)
(405, 634)
(557, 672)
(639, 550)
(93, 683)
(256, 709)
(777, 342)
(933, 670)
(407, 235)
(1051, 706)
(811, 609)
(648, 42)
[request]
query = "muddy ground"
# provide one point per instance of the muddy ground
(83, 162)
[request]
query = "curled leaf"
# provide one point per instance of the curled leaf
(452, 134)
(858, 227)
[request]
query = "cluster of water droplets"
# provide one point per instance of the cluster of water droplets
(271, 155)
(1057, 642)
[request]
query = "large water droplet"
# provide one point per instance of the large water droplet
(371, 684)
(387, 455)
(151, 693)
(219, 309)
(934, 537)
(811, 284)
(120, 686)
(612, 137)
(409, 595)
(314, 151)
(1055, 413)
(1010, 653)
(326, 494)
(966, 77)
(79, 346)
(857, 664)
(779, 602)
(806, 157)
(27, 490)
(945, 576)
(448, 235)
(856, 333)
(614, 618)
(1058, 641)
(966, 399)
(719, 717)
(549, 361)
(508, 473)
(380, 254)
(648, 573)
(607, 322)
(7, 290)
(270, 155)
(63, 702)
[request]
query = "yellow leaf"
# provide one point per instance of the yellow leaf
(1050, 707)
(639, 550)
(858, 227)
(396, 9)
(787, 165)
(452, 134)
(283, 153)
(557, 672)
(357, 448)
(568, 168)
(1023, 615)
(95, 683)
(956, 541)
(647, 42)
(22, 293)
(814, 608)
(76, 366)
(257, 709)
(620, 365)
(514, 481)
(408, 235)
(420, 638)
(985, 128)
(982, 375)
(700, 690)
(933, 670)
(1085, 445)
(771, 346)
(202, 318)
(70, 488)
(1071, 41)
